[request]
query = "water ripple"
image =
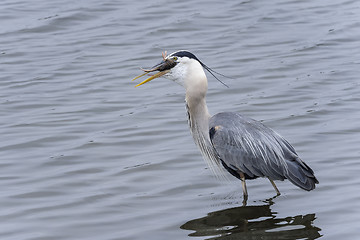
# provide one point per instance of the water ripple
(85, 155)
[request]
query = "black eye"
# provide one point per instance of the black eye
(175, 58)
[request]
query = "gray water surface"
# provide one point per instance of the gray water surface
(85, 155)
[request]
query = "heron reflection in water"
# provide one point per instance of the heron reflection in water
(252, 222)
(246, 148)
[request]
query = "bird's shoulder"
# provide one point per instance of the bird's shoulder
(237, 123)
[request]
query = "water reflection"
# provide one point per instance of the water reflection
(252, 222)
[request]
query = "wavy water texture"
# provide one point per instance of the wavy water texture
(85, 155)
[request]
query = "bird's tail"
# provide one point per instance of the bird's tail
(300, 174)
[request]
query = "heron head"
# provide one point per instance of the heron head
(182, 67)
(176, 67)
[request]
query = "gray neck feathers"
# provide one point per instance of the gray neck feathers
(198, 120)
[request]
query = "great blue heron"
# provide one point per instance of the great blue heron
(243, 146)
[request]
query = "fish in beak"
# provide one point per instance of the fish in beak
(163, 67)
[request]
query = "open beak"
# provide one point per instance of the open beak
(163, 68)
(156, 75)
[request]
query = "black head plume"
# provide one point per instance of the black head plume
(188, 54)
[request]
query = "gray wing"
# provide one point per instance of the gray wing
(246, 145)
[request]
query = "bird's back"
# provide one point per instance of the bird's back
(246, 145)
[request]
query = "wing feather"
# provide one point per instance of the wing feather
(246, 145)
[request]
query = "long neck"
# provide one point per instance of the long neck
(198, 116)
(198, 119)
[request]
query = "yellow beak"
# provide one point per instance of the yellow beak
(157, 75)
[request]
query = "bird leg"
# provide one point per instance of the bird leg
(273, 184)
(242, 178)
(243, 183)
